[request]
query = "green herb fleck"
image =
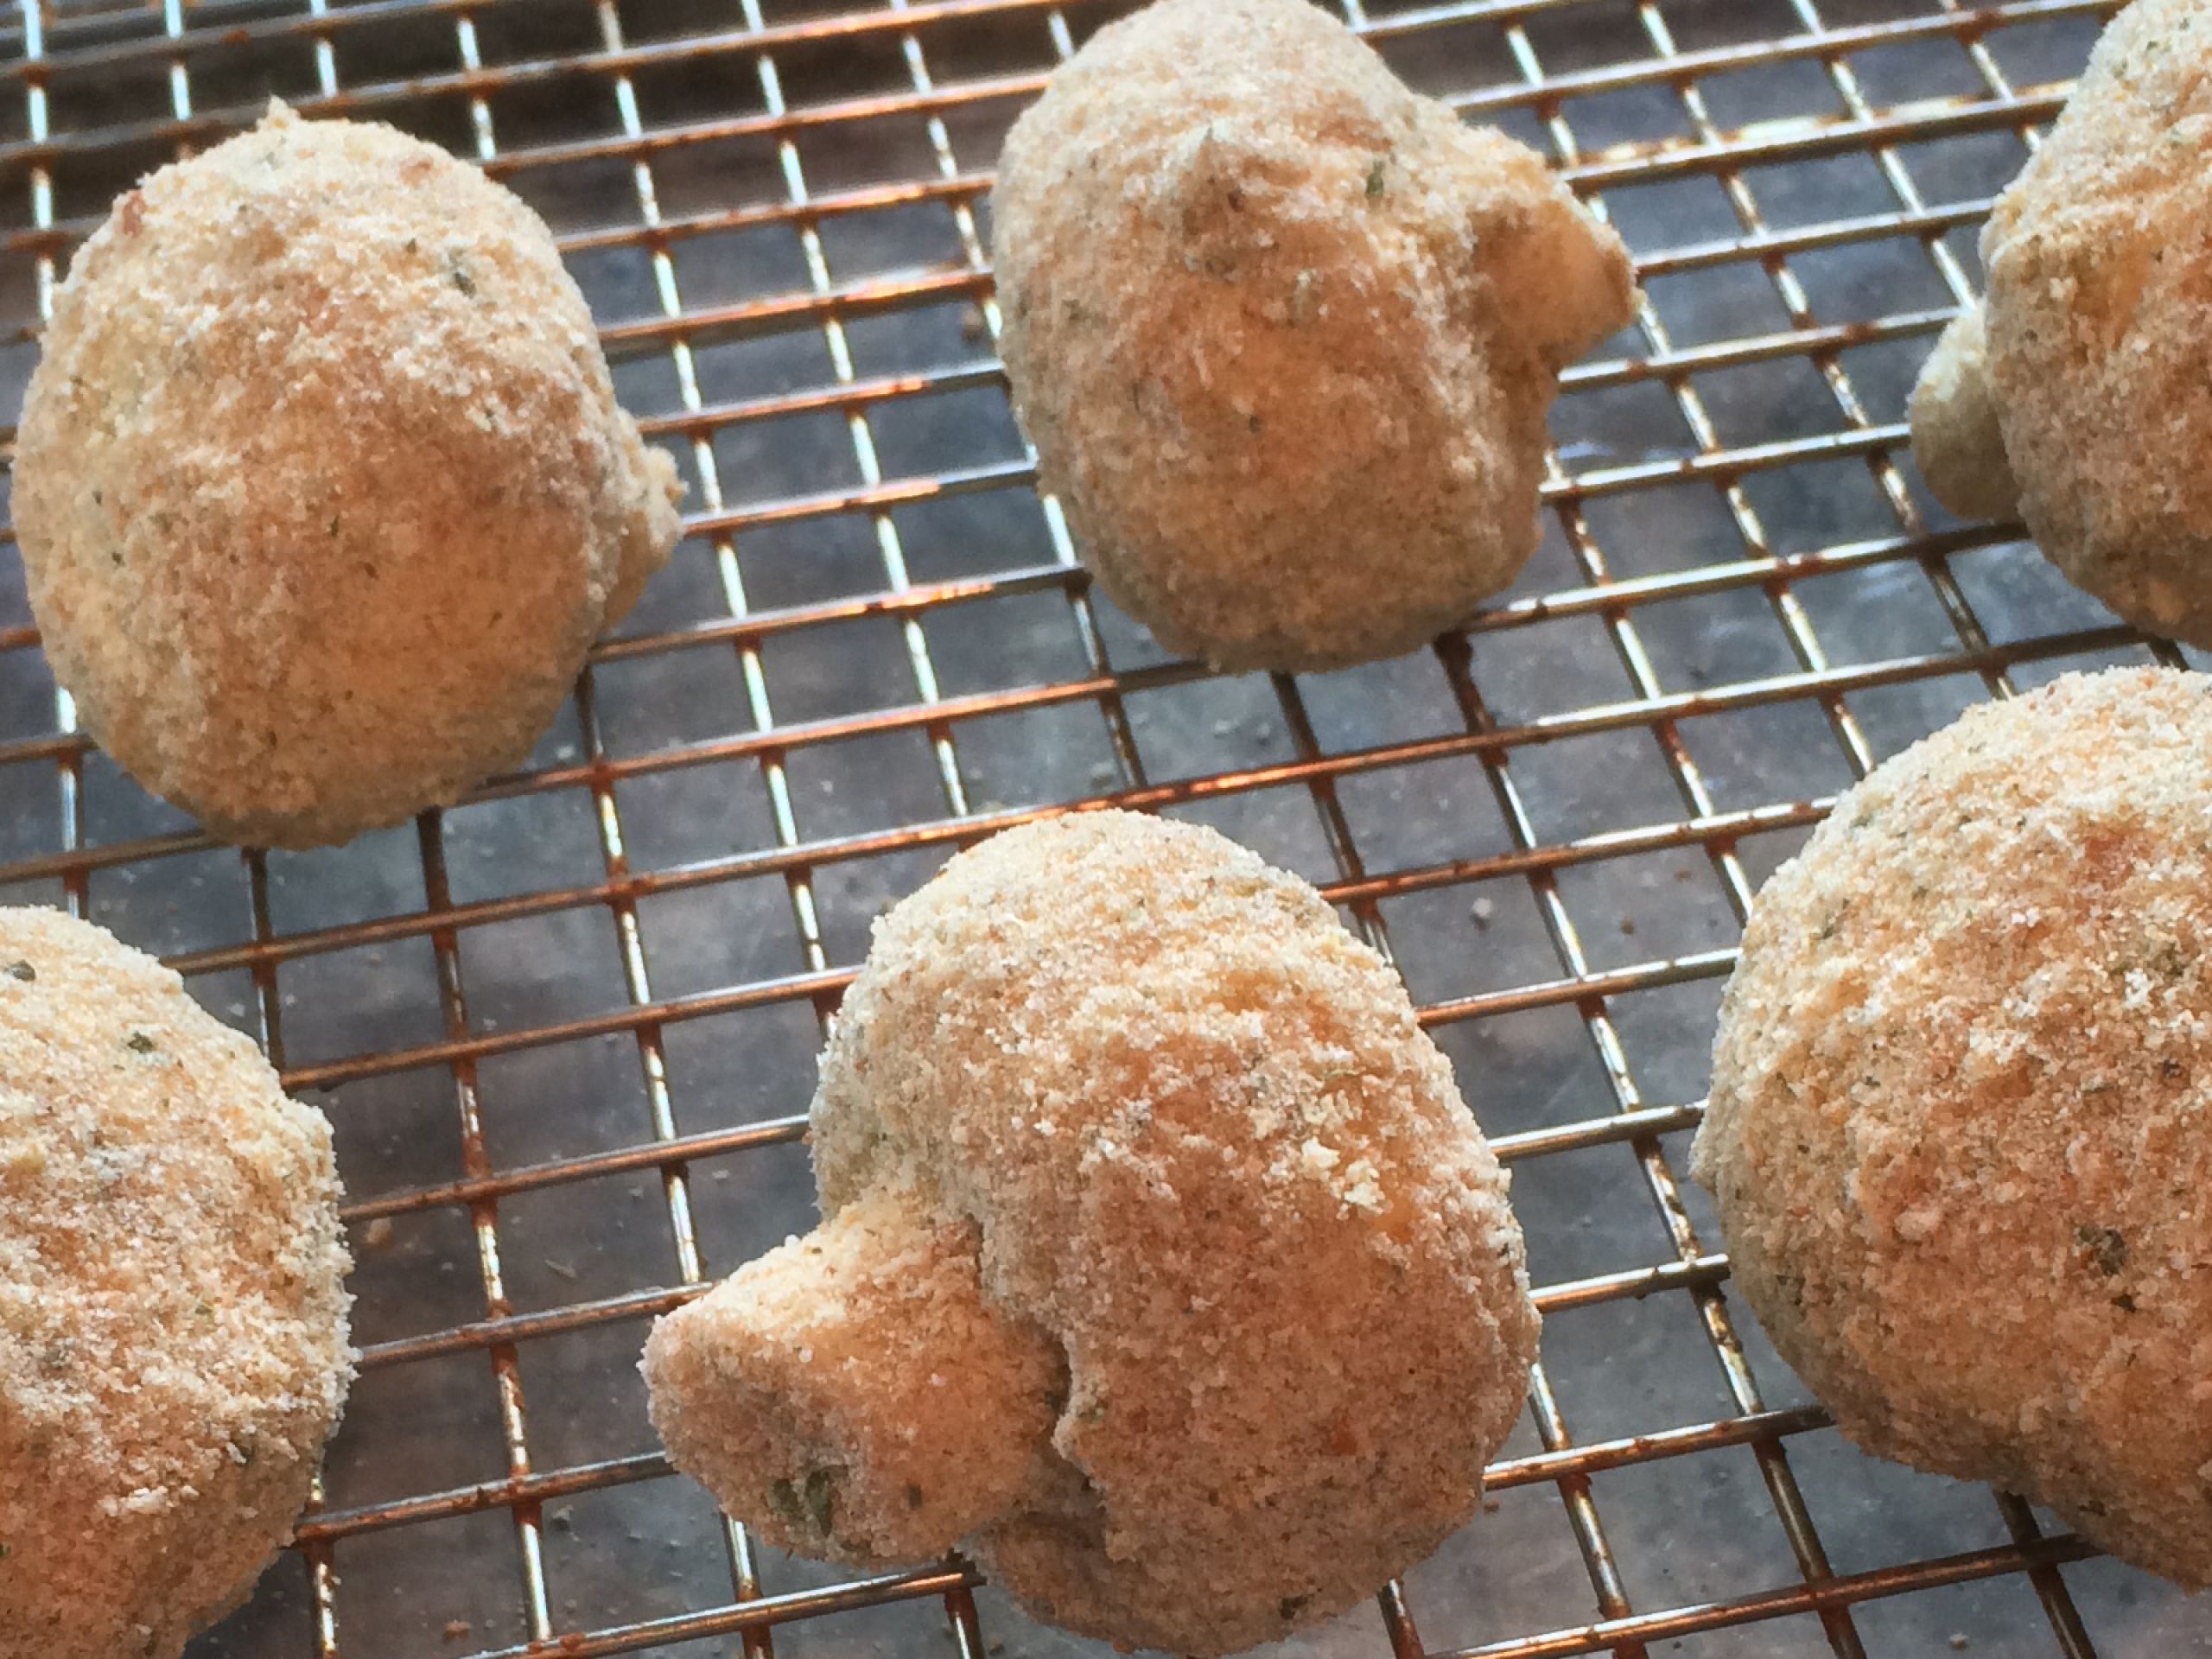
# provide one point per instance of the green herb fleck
(462, 280)
(1093, 1413)
(2107, 1248)
(22, 970)
(821, 1498)
(140, 1043)
(1290, 1606)
(6, 1550)
(1374, 185)
(782, 1497)
(913, 1497)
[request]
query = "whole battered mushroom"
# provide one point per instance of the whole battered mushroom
(1284, 334)
(322, 489)
(1957, 1134)
(1160, 1263)
(173, 1316)
(2079, 396)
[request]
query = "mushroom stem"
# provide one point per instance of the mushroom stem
(852, 1393)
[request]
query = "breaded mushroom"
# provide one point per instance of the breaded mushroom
(321, 486)
(1161, 1267)
(1957, 1132)
(173, 1321)
(2090, 415)
(1284, 335)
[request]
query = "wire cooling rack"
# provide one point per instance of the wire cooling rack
(565, 1031)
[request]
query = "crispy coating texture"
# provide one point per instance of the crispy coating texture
(321, 484)
(173, 1321)
(2099, 319)
(1957, 439)
(1284, 334)
(1231, 1214)
(1957, 1126)
(834, 1385)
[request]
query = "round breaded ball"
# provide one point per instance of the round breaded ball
(2098, 317)
(321, 486)
(1284, 335)
(1162, 1266)
(173, 1343)
(1958, 1134)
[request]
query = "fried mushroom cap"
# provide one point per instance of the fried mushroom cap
(173, 1322)
(2099, 323)
(1246, 1293)
(1957, 1126)
(1284, 334)
(321, 486)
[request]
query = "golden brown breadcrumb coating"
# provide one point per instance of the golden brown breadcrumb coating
(1284, 334)
(1957, 1128)
(1957, 438)
(173, 1349)
(835, 1384)
(1189, 1214)
(321, 484)
(2099, 323)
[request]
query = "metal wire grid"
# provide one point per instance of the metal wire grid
(53, 849)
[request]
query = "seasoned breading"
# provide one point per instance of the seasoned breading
(837, 1386)
(1284, 334)
(2099, 324)
(321, 486)
(172, 1337)
(1189, 1223)
(1957, 1132)
(1957, 438)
